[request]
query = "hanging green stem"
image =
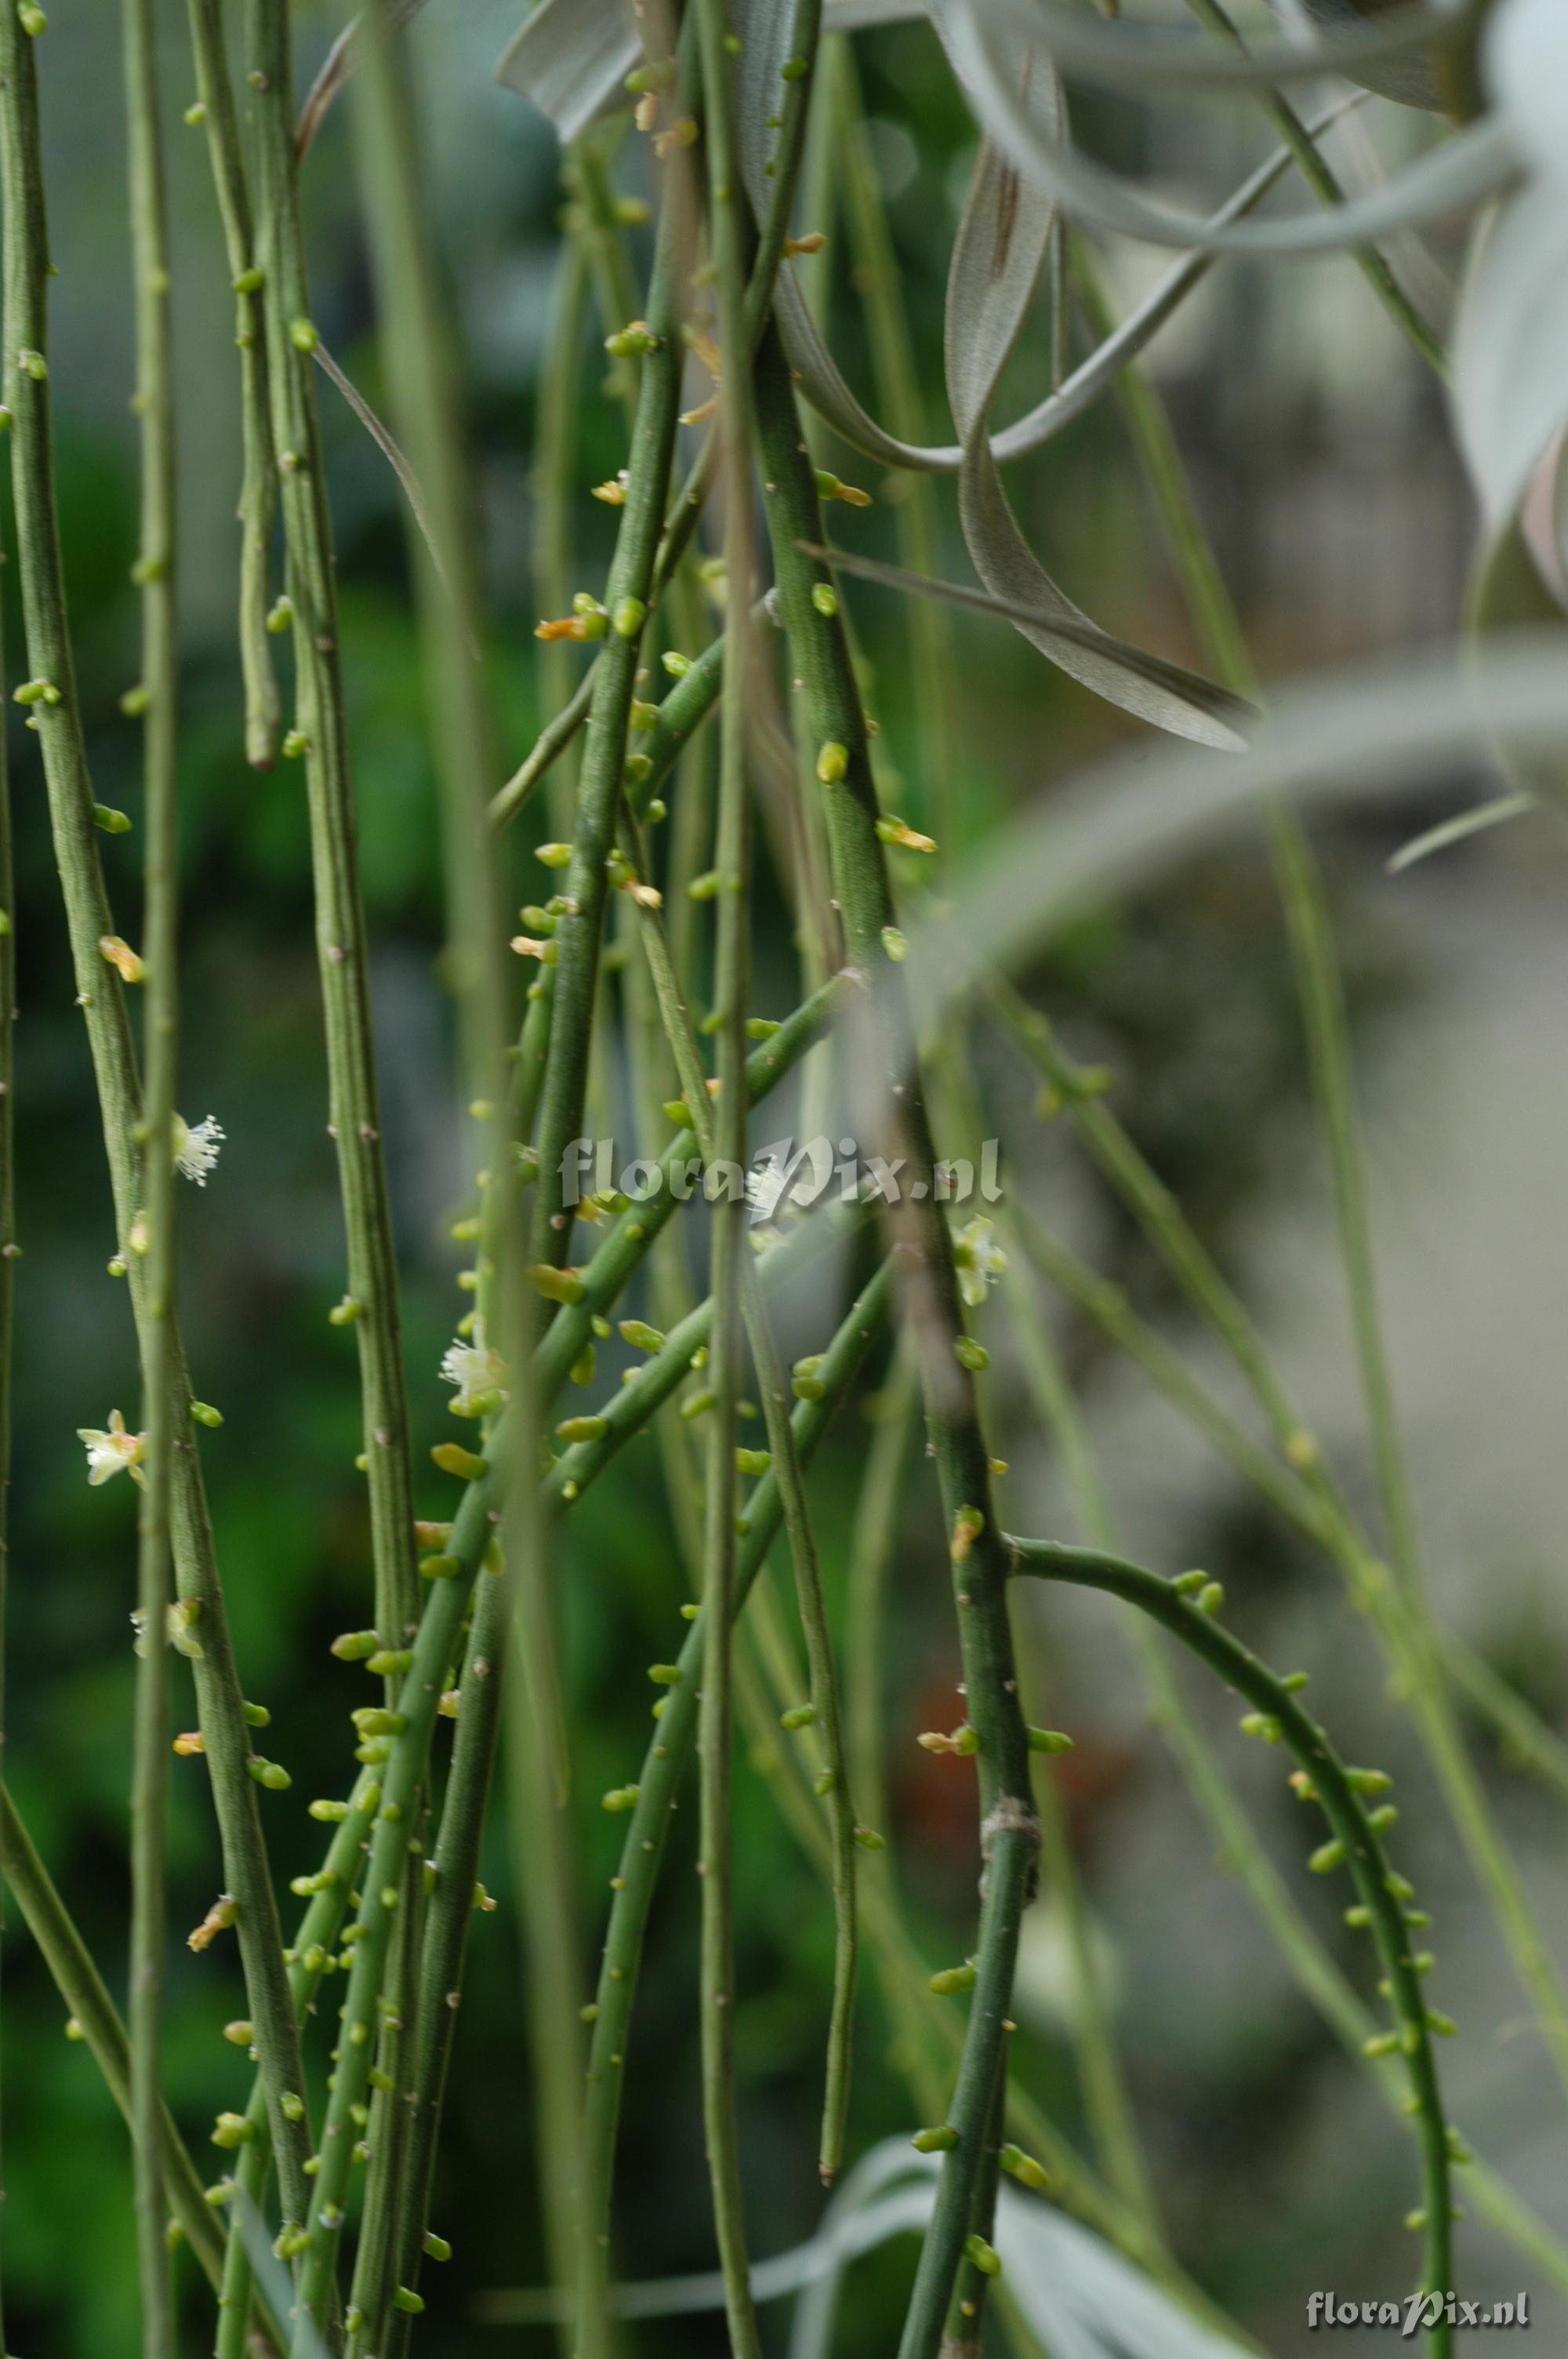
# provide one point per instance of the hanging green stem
(420, 339)
(370, 1304)
(553, 484)
(158, 696)
(627, 599)
(669, 1752)
(873, 1533)
(1009, 1833)
(9, 1248)
(878, 284)
(1355, 1842)
(308, 1960)
(215, 97)
(101, 996)
(822, 1705)
(89, 2005)
(727, 231)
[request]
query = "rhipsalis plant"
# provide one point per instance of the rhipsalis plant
(556, 915)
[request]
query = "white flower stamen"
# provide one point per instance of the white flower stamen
(479, 1372)
(767, 1183)
(196, 1149)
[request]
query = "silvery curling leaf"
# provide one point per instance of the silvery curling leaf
(1372, 42)
(572, 57)
(997, 259)
(817, 373)
(1517, 584)
(1510, 345)
(1415, 80)
(1453, 179)
(1073, 2290)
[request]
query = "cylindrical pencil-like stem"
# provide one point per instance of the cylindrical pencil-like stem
(873, 1532)
(101, 996)
(823, 1703)
(8, 1246)
(452, 1579)
(1355, 1842)
(418, 339)
(319, 1930)
(257, 481)
(1009, 1833)
(731, 985)
(158, 696)
(88, 2003)
(555, 475)
(669, 1752)
(371, 1305)
(627, 599)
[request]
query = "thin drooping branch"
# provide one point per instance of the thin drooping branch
(1009, 1832)
(8, 1246)
(157, 695)
(231, 1767)
(418, 340)
(370, 1302)
(670, 1749)
(731, 988)
(1318, 1976)
(89, 2006)
(258, 480)
(1384, 1897)
(308, 1960)
(821, 1708)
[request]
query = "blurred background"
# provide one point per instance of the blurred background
(1320, 453)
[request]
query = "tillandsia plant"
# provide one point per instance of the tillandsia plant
(661, 1351)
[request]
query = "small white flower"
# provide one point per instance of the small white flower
(478, 1372)
(767, 1184)
(980, 1260)
(113, 1452)
(196, 1150)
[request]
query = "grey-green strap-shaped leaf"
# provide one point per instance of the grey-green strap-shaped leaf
(1511, 347)
(1075, 2292)
(1511, 589)
(1525, 65)
(1412, 78)
(572, 57)
(998, 256)
(1232, 714)
(997, 259)
(823, 386)
(1458, 830)
(1366, 733)
(1126, 56)
(1466, 169)
(1077, 2296)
